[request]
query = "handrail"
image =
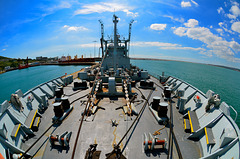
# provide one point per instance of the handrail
(235, 113)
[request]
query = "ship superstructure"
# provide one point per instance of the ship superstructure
(115, 51)
(115, 110)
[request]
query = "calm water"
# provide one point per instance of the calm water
(26, 79)
(223, 81)
(204, 77)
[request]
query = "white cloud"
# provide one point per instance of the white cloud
(220, 10)
(147, 44)
(181, 20)
(183, 48)
(55, 49)
(225, 4)
(91, 45)
(236, 27)
(61, 5)
(231, 16)
(105, 7)
(191, 23)
(220, 31)
(229, 31)
(180, 31)
(206, 53)
(185, 4)
(234, 3)
(215, 44)
(75, 28)
(235, 11)
(224, 27)
(165, 46)
(203, 34)
(196, 4)
(211, 26)
(4, 49)
(220, 24)
(54, 8)
(158, 26)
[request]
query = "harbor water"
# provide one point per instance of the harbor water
(224, 82)
(28, 78)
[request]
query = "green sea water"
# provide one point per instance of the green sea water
(28, 78)
(222, 81)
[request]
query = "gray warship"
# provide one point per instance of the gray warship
(115, 110)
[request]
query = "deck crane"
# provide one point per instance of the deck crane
(129, 36)
(102, 36)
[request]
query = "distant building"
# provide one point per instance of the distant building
(63, 58)
(44, 58)
(69, 57)
(40, 58)
(7, 67)
(53, 59)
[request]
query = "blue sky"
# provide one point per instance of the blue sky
(187, 30)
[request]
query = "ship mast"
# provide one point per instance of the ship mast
(115, 21)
